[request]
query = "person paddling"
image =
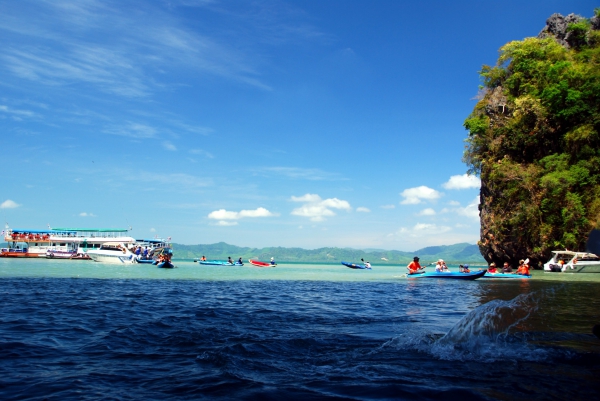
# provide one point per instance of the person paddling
(414, 266)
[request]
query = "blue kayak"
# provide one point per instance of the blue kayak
(355, 266)
(450, 275)
(219, 263)
(506, 275)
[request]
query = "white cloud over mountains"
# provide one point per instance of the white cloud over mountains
(317, 208)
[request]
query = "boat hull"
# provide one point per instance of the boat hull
(165, 265)
(513, 276)
(218, 263)
(114, 259)
(261, 264)
(355, 266)
(450, 275)
(60, 254)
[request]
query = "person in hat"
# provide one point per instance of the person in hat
(414, 266)
(464, 269)
(523, 268)
(273, 261)
(492, 268)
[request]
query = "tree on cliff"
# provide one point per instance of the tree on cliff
(534, 140)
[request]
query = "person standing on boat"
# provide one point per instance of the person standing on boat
(523, 268)
(414, 266)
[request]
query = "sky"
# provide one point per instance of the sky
(335, 123)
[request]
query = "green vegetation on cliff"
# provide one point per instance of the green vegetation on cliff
(534, 141)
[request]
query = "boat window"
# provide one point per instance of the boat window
(63, 244)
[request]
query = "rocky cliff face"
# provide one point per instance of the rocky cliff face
(529, 144)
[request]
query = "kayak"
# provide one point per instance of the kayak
(506, 275)
(451, 275)
(219, 263)
(355, 266)
(261, 264)
(149, 261)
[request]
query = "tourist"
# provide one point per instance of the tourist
(523, 268)
(492, 268)
(506, 268)
(368, 265)
(414, 266)
(229, 260)
(240, 261)
(203, 258)
(464, 269)
(272, 261)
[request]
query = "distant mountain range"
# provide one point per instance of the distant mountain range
(453, 254)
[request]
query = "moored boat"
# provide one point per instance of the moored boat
(356, 266)
(573, 262)
(60, 243)
(112, 253)
(449, 275)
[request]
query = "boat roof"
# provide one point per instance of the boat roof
(152, 241)
(93, 230)
(113, 244)
(572, 253)
(17, 230)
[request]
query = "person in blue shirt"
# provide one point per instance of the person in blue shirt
(273, 262)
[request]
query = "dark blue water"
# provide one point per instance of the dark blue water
(111, 339)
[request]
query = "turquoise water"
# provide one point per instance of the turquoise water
(189, 270)
(79, 330)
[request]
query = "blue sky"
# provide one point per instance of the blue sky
(258, 123)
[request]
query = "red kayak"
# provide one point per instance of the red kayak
(259, 263)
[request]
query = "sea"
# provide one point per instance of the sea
(81, 330)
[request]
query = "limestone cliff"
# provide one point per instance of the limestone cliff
(534, 140)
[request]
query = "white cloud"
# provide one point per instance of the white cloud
(8, 204)
(414, 196)
(84, 214)
(133, 130)
(471, 210)
(227, 218)
(169, 146)
(454, 203)
(421, 230)
(363, 209)
(464, 181)
(388, 206)
(316, 208)
(201, 153)
(226, 223)
(427, 212)
(153, 230)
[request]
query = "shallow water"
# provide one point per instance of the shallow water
(83, 330)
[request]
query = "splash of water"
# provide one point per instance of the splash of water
(493, 331)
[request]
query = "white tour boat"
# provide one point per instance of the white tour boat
(60, 243)
(113, 252)
(573, 262)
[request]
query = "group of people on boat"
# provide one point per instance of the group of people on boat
(16, 236)
(415, 267)
(523, 268)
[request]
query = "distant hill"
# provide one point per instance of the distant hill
(458, 253)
